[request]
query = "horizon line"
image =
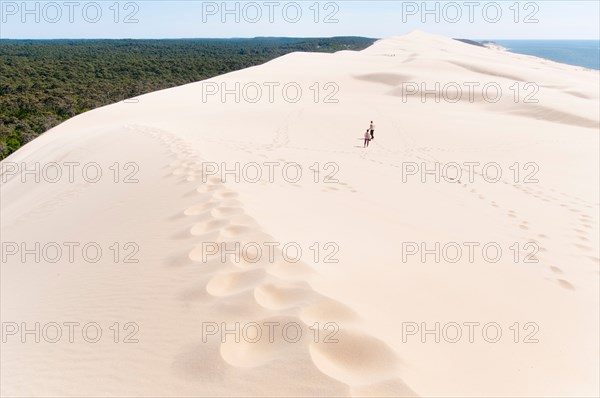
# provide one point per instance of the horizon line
(275, 37)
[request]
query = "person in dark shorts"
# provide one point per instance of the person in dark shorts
(367, 138)
(372, 130)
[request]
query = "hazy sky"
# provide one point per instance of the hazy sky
(181, 19)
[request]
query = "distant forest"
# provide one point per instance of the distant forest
(45, 82)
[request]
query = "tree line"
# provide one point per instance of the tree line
(45, 82)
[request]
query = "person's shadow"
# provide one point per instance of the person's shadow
(360, 146)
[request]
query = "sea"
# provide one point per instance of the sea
(584, 53)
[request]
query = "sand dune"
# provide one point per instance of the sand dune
(352, 316)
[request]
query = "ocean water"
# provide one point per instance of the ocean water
(584, 53)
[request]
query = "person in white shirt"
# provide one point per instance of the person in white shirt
(367, 138)
(372, 129)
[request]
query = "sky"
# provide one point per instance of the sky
(224, 19)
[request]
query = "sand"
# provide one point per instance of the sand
(362, 305)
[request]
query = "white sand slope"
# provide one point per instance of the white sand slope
(370, 293)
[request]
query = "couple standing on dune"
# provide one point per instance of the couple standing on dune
(369, 134)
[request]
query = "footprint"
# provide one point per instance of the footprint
(524, 226)
(262, 344)
(225, 195)
(278, 297)
(353, 358)
(209, 188)
(328, 311)
(226, 211)
(583, 247)
(205, 252)
(565, 285)
(199, 208)
(191, 193)
(387, 388)
(594, 259)
(234, 282)
(233, 231)
(197, 293)
(214, 181)
(556, 270)
(208, 226)
(286, 270)
(243, 219)
(181, 235)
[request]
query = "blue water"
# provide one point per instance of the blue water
(584, 53)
